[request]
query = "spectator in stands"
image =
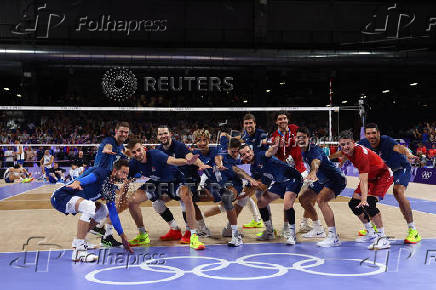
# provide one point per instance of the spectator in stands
(9, 157)
(55, 174)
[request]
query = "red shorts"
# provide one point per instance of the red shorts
(380, 185)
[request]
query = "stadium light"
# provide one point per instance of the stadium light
(282, 83)
(413, 84)
(268, 90)
(344, 102)
(245, 101)
(6, 89)
(19, 95)
(385, 91)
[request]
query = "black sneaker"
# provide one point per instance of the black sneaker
(110, 242)
(98, 231)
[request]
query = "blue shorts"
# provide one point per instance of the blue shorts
(293, 185)
(402, 176)
(51, 179)
(155, 189)
(337, 186)
(60, 198)
(7, 180)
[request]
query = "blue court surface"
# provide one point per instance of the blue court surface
(18, 188)
(251, 266)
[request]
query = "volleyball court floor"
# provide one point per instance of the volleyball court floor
(35, 250)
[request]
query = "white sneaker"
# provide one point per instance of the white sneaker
(332, 240)
(203, 232)
(291, 240)
(267, 235)
(236, 241)
(304, 227)
(80, 253)
(316, 232)
(369, 238)
(380, 243)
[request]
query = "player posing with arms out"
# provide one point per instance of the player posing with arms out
(290, 153)
(110, 150)
(257, 139)
(397, 158)
(327, 182)
(190, 175)
(80, 196)
(375, 179)
(286, 184)
(165, 178)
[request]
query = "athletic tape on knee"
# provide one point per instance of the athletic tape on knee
(87, 209)
(352, 204)
(243, 201)
(372, 209)
(101, 213)
(227, 199)
(159, 206)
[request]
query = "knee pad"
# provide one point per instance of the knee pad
(227, 199)
(352, 204)
(243, 202)
(101, 213)
(87, 209)
(372, 209)
(159, 206)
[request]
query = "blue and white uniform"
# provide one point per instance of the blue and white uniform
(95, 185)
(255, 140)
(284, 177)
(328, 174)
(163, 178)
(397, 162)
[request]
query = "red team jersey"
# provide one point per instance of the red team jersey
(379, 175)
(290, 147)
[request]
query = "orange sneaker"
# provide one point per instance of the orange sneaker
(186, 239)
(172, 235)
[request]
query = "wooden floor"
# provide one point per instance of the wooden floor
(30, 214)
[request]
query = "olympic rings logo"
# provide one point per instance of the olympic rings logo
(216, 264)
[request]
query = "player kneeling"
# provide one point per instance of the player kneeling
(80, 196)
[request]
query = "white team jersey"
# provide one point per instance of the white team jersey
(46, 161)
(75, 173)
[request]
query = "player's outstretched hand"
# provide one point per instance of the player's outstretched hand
(192, 160)
(75, 185)
(126, 243)
(109, 152)
(311, 177)
(203, 167)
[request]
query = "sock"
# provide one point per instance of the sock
(234, 230)
(201, 223)
(381, 231)
(109, 230)
(292, 228)
(264, 213)
(411, 225)
(193, 232)
(268, 225)
(332, 230)
(142, 231)
(290, 215)
(304, 220)
(253, 209)
(173, 225)
(316, 223)
(286, 227)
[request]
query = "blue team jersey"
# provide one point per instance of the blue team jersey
(272, 168)
(107, 160)
(208, 159)
(327, 170)
(179, 150)
(223, 144)
(385, 150)
(228, 175)
(100, 188)
(255, 140)
(156, 168)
